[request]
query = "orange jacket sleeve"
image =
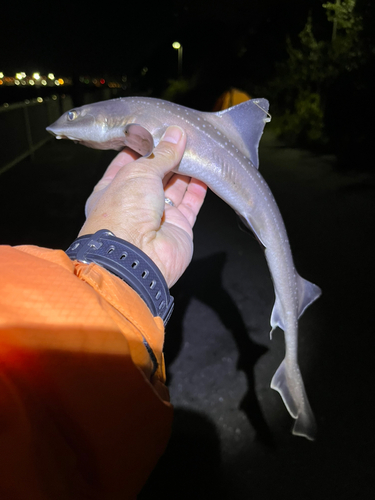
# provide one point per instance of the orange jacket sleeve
(83, 413)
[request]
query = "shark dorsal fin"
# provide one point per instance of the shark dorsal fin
(244, 125)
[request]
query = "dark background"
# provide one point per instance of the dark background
(231, 437)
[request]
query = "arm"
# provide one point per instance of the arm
(83, 412)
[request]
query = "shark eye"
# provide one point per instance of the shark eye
(72, 115)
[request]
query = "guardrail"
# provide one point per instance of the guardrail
(23, 127)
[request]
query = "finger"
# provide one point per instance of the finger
(125, 156)
(193, 200)
(167, 154)
(176, 188)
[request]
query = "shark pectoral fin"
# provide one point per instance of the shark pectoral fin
(307, 294)
(139, 139)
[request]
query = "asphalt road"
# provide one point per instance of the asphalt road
(231, 437)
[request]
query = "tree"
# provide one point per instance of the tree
(313, 66)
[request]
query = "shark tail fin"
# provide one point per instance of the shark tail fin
(295, 399)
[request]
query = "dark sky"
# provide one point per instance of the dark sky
(117, 37)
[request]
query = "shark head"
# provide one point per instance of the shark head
(93, 126)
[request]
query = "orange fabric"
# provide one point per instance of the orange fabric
(230, 98)
(81, 415)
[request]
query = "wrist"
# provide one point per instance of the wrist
(128, 263)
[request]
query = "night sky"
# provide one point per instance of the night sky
(122, 38)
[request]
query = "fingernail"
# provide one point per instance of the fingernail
(172, 134)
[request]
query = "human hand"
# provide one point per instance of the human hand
(130, 202)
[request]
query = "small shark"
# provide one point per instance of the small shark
(222, 152)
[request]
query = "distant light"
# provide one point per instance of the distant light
(16, 82)
(36, 76)
(1, 81)
(54, 97)
(44, 82)
(19, 76)
(51, 76)
(102, 81)
(144, 71)
(57, 82)
(39, 99)
(1, 74)
(176, 45)
(61, 81)
(23, 82)
(31, 82)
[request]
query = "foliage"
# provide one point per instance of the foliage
(313, 66)
(178, 88)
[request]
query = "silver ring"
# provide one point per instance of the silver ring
(169, 202)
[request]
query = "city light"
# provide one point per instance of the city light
(176, 45)
(36, 76)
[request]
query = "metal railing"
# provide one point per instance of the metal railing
(23, 127)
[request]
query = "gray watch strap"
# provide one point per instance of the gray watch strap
(130, 264)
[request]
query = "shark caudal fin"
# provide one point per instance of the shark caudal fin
(292, 391)
(243, 124)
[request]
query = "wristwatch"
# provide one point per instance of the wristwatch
(128, 263)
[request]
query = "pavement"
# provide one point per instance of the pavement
(231, 437)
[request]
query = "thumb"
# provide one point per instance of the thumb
(168, 153)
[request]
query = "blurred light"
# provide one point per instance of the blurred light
(23, 82)
(44, 82)
(54, 97)
(124, 78)
(1, 74)
(176, 45)
(57, 82)
(51, 76)
(144, 71)
(61, 81)
(31, 82)
(36, 76)
(16, 82)
(19, 76)
(102, 81)
(39, 99)
(1, 81)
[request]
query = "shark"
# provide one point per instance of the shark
(221, 151)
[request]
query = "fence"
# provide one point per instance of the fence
(23, 127)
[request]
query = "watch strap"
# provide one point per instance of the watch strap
(128, 263)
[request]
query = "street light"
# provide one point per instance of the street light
(178, 47)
